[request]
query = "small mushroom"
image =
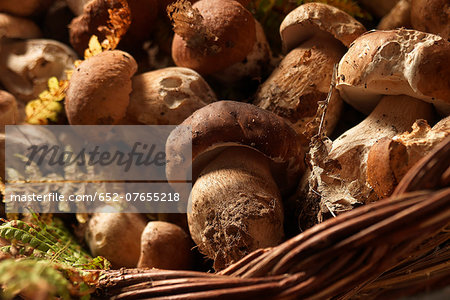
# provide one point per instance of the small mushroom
(165, 246)
(386, 74)
(399, 16)
(315, 34)
(116, 236)
(390, 158)
(223, 33)
(96, 13)
(431, 16)
(99, 89)
(16, 27)
(167, 96)
(243, 160)
(26, 66)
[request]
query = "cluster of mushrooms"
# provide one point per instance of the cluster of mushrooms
(255, 164)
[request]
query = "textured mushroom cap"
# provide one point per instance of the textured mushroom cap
(431, 16)
(8, 109)
(168, 96)
(99, 89)
(234, 29)
(26, 66)
(396, 62)
(300, 81)
(16, 27)
(165, 246)
(311, 19)
(228, 123)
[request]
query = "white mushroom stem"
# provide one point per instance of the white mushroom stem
(341, 178)
(236, 207)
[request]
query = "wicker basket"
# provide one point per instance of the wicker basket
(388, 249)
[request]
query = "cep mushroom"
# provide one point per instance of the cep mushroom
(165, 246)
(223, 39)
(26, 66)
(167, 96)
(316, 36)
(99, 89)
(395, 76)
(243, 160)
(390, 158)
(96, 14)
(116, 236)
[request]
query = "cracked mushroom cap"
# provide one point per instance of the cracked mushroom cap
(396, 62)
(228, 123)
(99, 89)
(26, 66)
(16, 27)
(316, 19)
(431, 16)
(168, 96)
(228, 28)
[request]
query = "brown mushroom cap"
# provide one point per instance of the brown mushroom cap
(95, 14)
(99, 89)
(228, 123)
(16, 27)
(26, 66)
(431, 16)
(165, 246)
(301, 80)
(8, 109)
(24, 8)
(168, 96)
(396, 62)
(312, 19)
(234, 29)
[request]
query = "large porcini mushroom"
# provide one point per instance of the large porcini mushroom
(394, 76)
(26, 66)
(99, 89)
(315, 34)
(431, 16)
(167, 96)
(243, 160)
(390, 158)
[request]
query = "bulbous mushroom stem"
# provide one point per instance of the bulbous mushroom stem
(236, 207)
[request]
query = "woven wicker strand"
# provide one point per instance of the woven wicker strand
(379, 249)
